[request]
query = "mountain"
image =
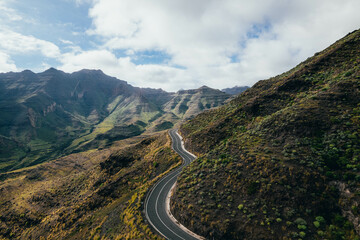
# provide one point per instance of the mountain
(235, 90)
(188, 103)
(43, 113)
(52, 114)
(281, 160)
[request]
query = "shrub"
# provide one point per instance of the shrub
(300, 221)
(302, 234)
(320, 219)
(301, 227)
(316, 224)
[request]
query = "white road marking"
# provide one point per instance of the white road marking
(186, 160)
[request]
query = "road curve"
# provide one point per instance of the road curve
(155, 202)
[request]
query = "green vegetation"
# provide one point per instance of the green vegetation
(281, 159)
(52, 114)
(88, 195)
(164, 126)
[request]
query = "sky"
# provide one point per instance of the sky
(171, 44)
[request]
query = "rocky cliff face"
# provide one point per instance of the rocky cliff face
(188, 103)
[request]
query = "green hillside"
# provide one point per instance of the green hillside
(43, 113)
(95, 194)
(281, 161)
(53, 114)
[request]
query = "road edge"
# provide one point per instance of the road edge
(183, 145)
(174, 220)
(169, 194)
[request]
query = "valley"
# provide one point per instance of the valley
(53, 114)
(82, 154)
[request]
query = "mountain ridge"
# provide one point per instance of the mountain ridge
(280, 161)
(235, 90)
(53, 113)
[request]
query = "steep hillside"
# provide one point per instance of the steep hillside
(89, 195)
(43, 113)
(281, 161)
(52, 114)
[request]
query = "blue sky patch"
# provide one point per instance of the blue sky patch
(258, 29)
(151, 57)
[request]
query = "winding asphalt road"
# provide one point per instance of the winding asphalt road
(155, 203)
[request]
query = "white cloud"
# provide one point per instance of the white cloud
(150, 75)
(6, 65)
(67, 42)
(203, 35)
(201, 39)
(14, 43)
(7, 13)
(79, 2)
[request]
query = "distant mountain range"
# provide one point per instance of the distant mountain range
(54, 113)
(235, 90)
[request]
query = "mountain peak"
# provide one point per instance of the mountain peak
(198, 90)
(28, 75)
(51, 70)
(27, 71)
(91, 71)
